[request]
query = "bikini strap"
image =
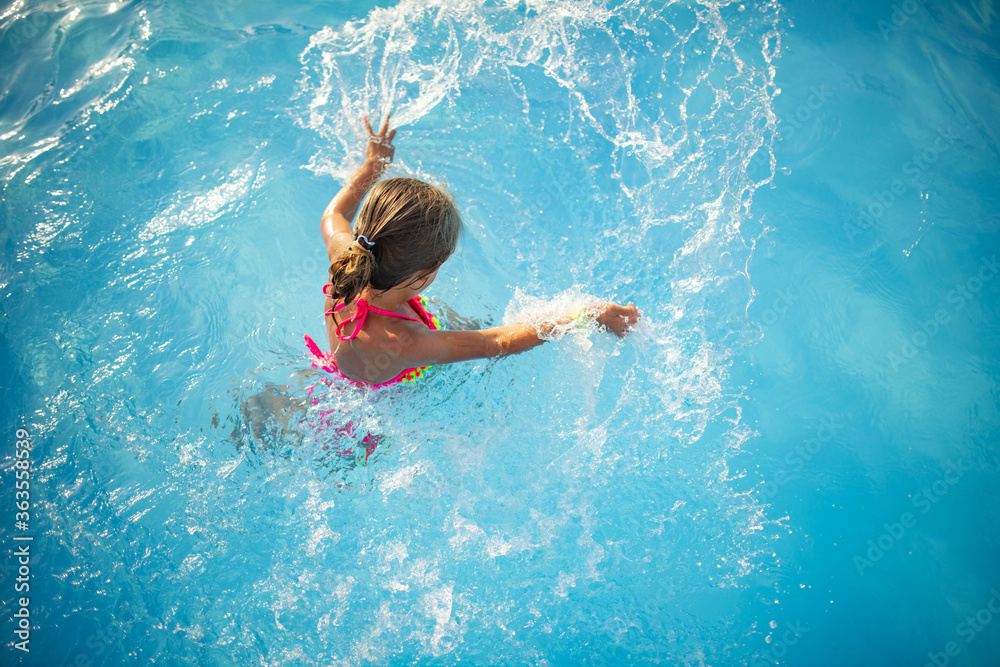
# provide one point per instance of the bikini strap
(359, 315)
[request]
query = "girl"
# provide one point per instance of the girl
(378, 326)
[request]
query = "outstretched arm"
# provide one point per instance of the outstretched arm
(335, 225)
(444, 347)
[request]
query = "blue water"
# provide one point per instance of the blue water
(793, 460)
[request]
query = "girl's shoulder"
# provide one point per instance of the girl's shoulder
(370, 329)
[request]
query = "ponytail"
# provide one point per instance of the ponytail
(410, 225)
(351, 272)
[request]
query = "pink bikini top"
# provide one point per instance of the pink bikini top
(326, 360)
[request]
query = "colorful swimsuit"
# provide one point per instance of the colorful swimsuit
(326, 360)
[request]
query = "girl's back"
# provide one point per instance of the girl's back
(378, 327)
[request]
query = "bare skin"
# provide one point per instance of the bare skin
(386, 346)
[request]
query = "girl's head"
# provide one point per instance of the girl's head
(413, 227)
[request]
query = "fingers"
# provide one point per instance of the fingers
(382, 129)
(629, 317)
(627, 312)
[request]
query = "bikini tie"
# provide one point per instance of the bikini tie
(359, 316)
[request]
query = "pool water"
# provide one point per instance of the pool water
(792, 460)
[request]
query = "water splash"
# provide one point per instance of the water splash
(640, 127)
(533, 507)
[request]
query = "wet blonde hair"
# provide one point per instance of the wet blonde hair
(413, 227)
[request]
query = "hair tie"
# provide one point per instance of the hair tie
(365, 244)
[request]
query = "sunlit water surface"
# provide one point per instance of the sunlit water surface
(699, 493)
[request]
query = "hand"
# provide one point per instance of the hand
(380, 149)
(617, 319)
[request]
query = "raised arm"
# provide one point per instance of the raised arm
(335, 225)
